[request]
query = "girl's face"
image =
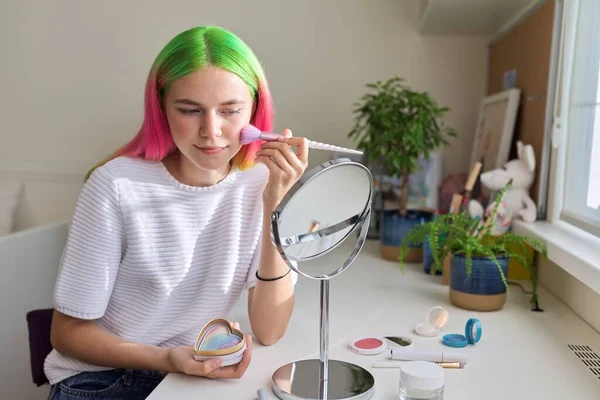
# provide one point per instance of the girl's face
(206, 111)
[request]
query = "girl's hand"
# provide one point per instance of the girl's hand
(285, 166)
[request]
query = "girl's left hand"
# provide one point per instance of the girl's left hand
(285, 166)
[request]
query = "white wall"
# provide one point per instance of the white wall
(73, 73)
(46, 197)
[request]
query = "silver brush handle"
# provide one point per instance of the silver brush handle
(330, 147)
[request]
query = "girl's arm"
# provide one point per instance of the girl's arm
(270, 303)
(84, 340)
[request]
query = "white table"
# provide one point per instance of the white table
(522, 355)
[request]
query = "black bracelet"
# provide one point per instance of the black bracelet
(271, 279)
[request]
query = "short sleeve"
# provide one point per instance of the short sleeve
(93, 251)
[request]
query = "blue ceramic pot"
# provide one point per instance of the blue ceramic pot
(485, 278)
(394, 227)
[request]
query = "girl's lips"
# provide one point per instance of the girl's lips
(210, 150)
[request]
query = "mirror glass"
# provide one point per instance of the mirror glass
(327, 207)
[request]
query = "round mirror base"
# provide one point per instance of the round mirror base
(300, 380)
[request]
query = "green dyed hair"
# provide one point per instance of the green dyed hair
(190, 51)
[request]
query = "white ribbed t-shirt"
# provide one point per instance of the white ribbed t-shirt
(151, 259)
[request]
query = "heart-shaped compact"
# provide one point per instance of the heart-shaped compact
(218, 339)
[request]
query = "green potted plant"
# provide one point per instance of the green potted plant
(478, 259)
(395, 126)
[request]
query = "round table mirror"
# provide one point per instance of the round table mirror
(328, 206)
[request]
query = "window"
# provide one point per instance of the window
(572, 233)
(581, 116)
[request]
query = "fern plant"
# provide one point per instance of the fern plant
(462, 234)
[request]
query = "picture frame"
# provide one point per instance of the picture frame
(495, 129)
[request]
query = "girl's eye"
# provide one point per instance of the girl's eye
(188, 111)
(232, 111)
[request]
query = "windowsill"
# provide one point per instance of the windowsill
(575, 251)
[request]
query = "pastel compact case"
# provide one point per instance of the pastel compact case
(436, 318)
(218, 340)
(472, 335)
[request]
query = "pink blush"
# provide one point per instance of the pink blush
(368, 344)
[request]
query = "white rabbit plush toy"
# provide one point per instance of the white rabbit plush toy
(516, 202)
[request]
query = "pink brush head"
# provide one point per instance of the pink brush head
(249, 134)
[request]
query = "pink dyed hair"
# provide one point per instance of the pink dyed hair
(189, 51)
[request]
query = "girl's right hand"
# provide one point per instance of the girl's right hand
(182, 360)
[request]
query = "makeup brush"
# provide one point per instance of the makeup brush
(470, 183)
(460, 200)
(251, 134)
(455, 204)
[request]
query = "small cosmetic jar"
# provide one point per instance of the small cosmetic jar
(218, 340)
(421, 380)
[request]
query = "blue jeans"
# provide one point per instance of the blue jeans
(113, 384)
